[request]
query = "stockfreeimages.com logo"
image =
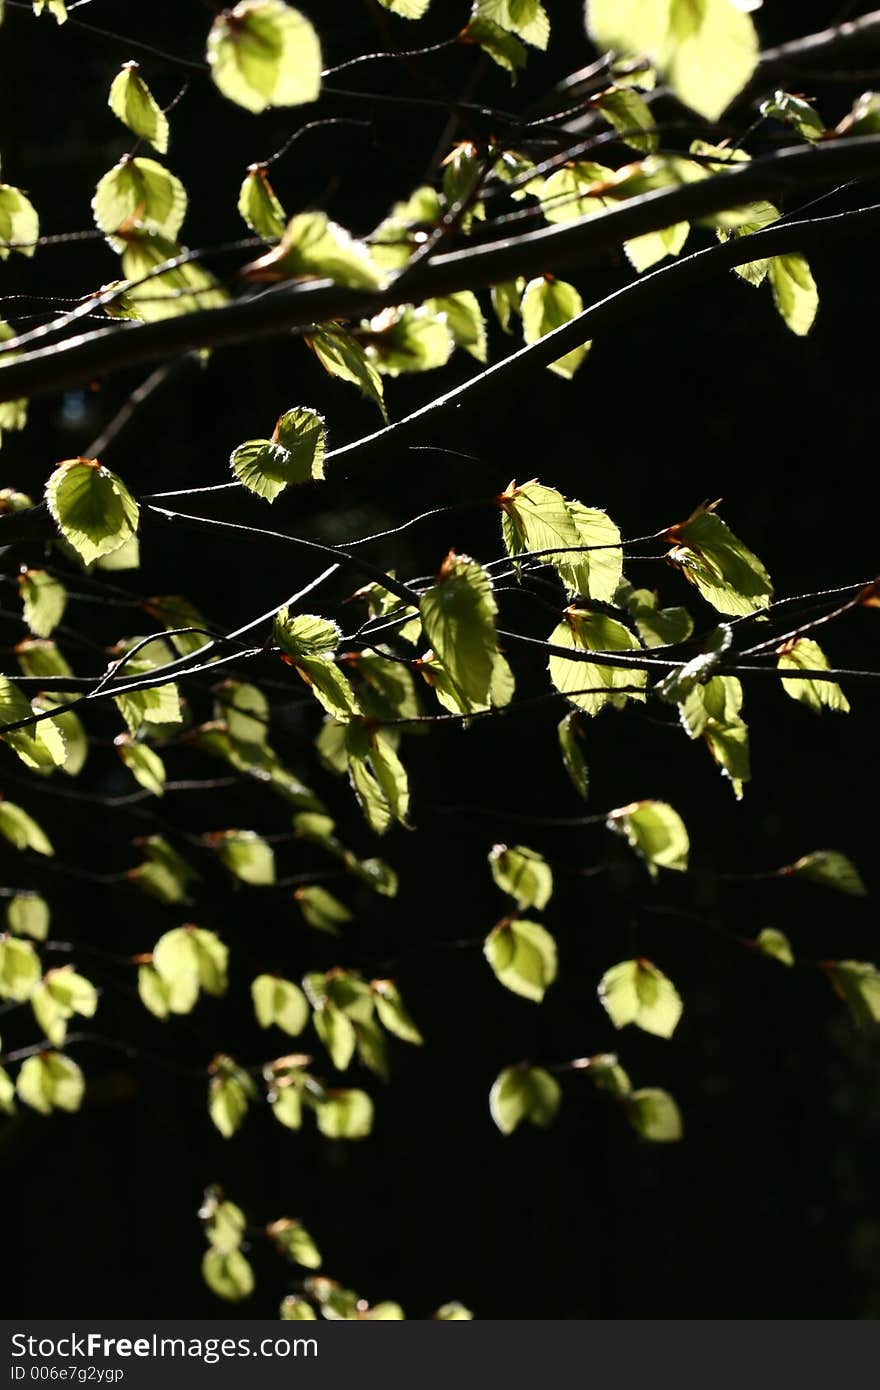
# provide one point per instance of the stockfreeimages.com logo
(31, 1354)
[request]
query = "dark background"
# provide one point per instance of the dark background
(769, 1208)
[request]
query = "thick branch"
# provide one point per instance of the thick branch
(277, 311)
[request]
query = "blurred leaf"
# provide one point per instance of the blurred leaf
(830, 868)
(523, 957)
(132, 101)
(523, 874)
(637, 992)
(524, 1093)
(655, 831)
(265, 53)
(654, 1115)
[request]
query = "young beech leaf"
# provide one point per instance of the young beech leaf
(228, 1274)
(61, 994)
(857, 983)
(803, 654)
(163, 996)
(293, 1240)
(336, 1031)
(342, 356)
(655, 831)
(345, 1114)
(635, 991)
(458, 617)
(132, 101)
(794, 292)
(7, 1093)
(402, 341)
(466, 323)
(145, 765)
(776, 944)
(393, 1013)
(657, 627)
(195, 954)
(644, 251)
(296, 1309)
(246, 855)
(294, 454)
(92, 508)
(453, 1312)
(526, 18)
(279, 1002)
(313, 247)
(259, 205)
(39, 745)
(230, 1091)
(27, 914)
(523, 957)
(712, 558)
(142, 190)
(607, 1074)
(265, 53)
(831, 868)
(654, 1115)
(589, 686)
(631, 117)
(50, 1081)
(22, 831)
(524, 1093)
(571, 741)
(56, 8)
(407, 9)
(44, 598)
(19, 227)
(706, 50)
(502, 47)
(548, 303)
(523, 874)
(20, 969)
(305, 634)
(320, 909)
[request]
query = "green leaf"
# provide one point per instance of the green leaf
(548, 303)
(19, 224)
(631, 117)
(279, 1002)
(294, 454)
(320, 909)
(571, 739)
(502, 47)
(138, 190)
(228, 1274)
(803, 654)
(246, 855)
(56, 8)
(7, 1085)
(523, 874)
(409, 340)
(336, 1031)
(313, 247)
(506, 300)
(523, 957)
(192, 953)
(794, 292)
(229, 1093)
(20, 969)
(406, 228)
(525, 18)
(132, 101)
(407, 9)
(832, 869)
(224, 1222)
(27, 914)
(635, 991)
(164, 996)
(393, 1013)
(345, 1115)
(293, 1240)
(645, 251)
(44, 598)
(453, 1312)
(61, 994)
(296, 1309)
(22, 831)
(143, 763)
(39, 657)
(705, 49)
(465, 319)
(259, 205)
(656, 832)
(378, 776)
(265, 53)
(607, 1074)
(654, 1115)
(50, 1081)
(657, 627)
(857, 983)
(458, 617)
(39, 745)
(724, 570)
(181, 289)
(524, 1093)
(796, 112)
(92, 508)
(342, 355)
(328, 685)
(776, 944)
(305, 634)
(588, 686)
